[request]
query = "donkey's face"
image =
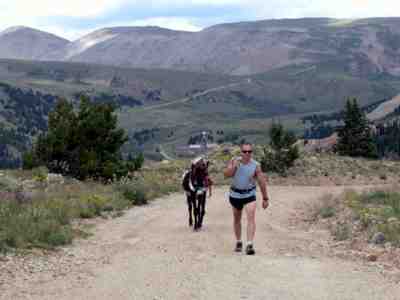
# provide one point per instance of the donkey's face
(200, 169)
(202, 165)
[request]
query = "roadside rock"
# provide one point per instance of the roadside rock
(378, 238)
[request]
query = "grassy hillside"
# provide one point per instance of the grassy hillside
(161, 107)
(249, 107)
(70, 78)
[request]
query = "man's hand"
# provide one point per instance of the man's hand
(232, 166)
(235, 162)
(262, 182)
(265, 203)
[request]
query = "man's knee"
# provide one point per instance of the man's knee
(251, 220)
(237, 216)
(237, 223)
(251, 211)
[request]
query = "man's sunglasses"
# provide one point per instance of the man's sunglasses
(247, 151)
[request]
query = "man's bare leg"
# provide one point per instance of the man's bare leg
(237, 223)
(251, 220)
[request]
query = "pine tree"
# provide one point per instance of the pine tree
(83, 143)
(282, 153)
(355, 137)
(388, 139)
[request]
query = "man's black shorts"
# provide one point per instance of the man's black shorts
(239, 203)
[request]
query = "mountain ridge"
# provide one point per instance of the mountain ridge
(21, 42)
(240, 48)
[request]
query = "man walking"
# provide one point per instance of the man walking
(245, 172)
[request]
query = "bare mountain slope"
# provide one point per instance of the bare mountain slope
(370, 46)
(27, 43)
(124, 46)
(384, 109)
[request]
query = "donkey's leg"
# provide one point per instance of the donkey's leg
(196, 212)
(190, 208)
(202, 208)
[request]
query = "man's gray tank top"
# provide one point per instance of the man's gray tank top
(244, 180)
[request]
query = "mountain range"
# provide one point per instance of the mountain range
(370, 45)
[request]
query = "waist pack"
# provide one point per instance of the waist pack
(241, 191)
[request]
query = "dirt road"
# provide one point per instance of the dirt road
(151, 253)
(195, 95)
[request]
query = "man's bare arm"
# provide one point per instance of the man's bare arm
(262, 182)
(231, 167)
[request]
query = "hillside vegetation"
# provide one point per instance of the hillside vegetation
(176, 105)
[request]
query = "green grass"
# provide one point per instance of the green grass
(327, 212)
(36, 225)
(325, 208)
(46, 221)
(134, 191)
(378, 211)
(342, 232)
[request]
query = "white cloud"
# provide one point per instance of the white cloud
(37, 13)
(70, 8)
(92, 8)
(67, 33)
(299, 8)
(265, 8)
(34, 13)
(326, 8)
(185, 24)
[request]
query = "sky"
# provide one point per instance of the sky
(74, 18)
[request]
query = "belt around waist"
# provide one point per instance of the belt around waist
(240, 191)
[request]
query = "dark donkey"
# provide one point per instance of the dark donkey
(195, 183)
